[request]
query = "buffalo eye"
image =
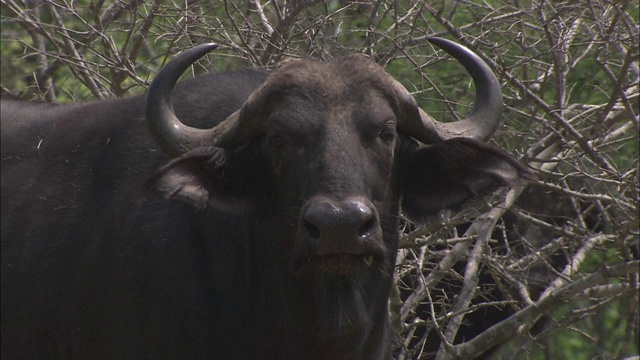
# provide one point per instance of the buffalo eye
(388, 133)
(276, 141)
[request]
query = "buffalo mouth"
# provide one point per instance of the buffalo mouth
(341, 264)
(336, 292)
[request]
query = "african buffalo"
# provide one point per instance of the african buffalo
(282, 237)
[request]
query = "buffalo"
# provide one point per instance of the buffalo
(240, 215)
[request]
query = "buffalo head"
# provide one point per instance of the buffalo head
(322, 157)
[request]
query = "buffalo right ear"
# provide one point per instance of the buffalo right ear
(448, 174)
(207, 177)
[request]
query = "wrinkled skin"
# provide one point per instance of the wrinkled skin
(280, 248)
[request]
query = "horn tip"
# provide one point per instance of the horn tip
(208, 46)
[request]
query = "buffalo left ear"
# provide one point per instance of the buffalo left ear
(447, 174)
(207, 177)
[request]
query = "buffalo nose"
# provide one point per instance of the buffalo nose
(339, 227)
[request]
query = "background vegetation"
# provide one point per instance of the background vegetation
(570, 76)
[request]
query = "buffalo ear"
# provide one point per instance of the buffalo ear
(205, 177)
(447, 174)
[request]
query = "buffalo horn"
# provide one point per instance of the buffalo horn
(176, 138)
(484, 118)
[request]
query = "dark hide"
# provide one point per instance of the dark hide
(240, 266)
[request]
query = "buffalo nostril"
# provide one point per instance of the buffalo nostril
(368, 227)
(312, 230)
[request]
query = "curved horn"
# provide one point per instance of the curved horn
(176, 138)
(484, 118)
(170, 133)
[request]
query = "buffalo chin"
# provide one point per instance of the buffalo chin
(334, 290)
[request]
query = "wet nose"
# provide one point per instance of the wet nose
(340, 226)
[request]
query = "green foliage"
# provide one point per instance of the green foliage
(597, 335)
